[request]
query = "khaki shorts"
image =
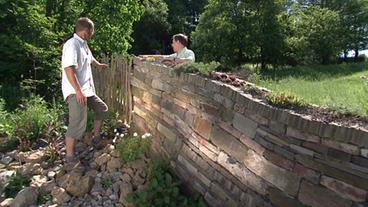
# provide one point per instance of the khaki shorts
(78, 114)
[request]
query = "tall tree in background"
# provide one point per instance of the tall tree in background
(152, 29)
(316, 35)
(32, 33)
(235, 32)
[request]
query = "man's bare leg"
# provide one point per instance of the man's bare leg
(69, 145)
(97, 127)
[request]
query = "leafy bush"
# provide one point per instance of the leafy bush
(285, 100)
(162, 190)
(32, 121)
(43, 197)
(202, 68)
(132, 148)
(16, 183)
(107, 182)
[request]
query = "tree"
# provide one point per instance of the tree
(235, 32)
(114, 22)
(152, 29)
(315, 35)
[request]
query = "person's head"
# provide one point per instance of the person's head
(179, 41)
(84, 28)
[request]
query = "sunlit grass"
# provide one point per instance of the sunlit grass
(335, 86)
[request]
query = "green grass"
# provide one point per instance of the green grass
(334, 86)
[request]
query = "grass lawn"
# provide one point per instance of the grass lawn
(333, 86)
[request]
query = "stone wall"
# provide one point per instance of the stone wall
(237, 151)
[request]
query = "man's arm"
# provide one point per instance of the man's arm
(98, 64)
(70, 74)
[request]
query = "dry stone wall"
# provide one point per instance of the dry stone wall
(238, 151)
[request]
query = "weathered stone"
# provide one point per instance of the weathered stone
(102, 159)
(313, 195)
(306, 173)
(38, 181)
(316, 147)
(169, 134)
(326, 168)
(242, 173)
(202, 127)
(278, 160)
(261, 132)
(281, 178)
(4, 178)
(32, 156)
(364, 152)
(6, 159)
(228, 143)
(125, 189)
(301, 150)
(278, 198)
(25, 197)
(78, 186)
(348, 148)
(361, 161)
(291, 132)
(344, 190)
(245, 125)
(224, 197)
(339, 155)
(113, 165)
(48, 186)
(277, 127)
(60, 196)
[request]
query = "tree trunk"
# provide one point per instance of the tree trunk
(49, 7)
(356, 55)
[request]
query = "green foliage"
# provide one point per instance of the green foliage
(315, 35)
(132, 148)
(107, 182)
(234, 32)
(201, 68)
(16, 183)
(152, 28)
(30, 48)
(285, 100)
(335, 86)
(33, 121)
(43, 197)
(114, 21)
(162, 190)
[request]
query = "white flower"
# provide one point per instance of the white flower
(121, 135)
(115, 130)
(135, 134)
(146, 135)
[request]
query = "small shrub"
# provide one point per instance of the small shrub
(16, 183)
(162, 190)
(35, 120)
(43, 197)
(111, 122)
(285, 100)
(107, 182)
(132, 148)
(202, 68)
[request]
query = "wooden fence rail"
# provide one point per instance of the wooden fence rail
(113, 85)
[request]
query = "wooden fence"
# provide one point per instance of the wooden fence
(113, 85)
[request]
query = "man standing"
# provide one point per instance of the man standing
(78, 87)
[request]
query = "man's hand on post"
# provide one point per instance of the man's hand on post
(102, 66)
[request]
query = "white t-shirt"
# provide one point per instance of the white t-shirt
(76, 53)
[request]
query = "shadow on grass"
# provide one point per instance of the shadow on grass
(315, 72)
